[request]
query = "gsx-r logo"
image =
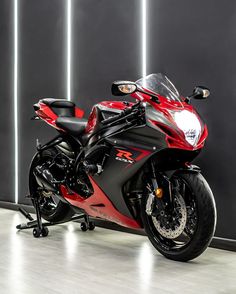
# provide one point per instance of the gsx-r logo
(124, 156)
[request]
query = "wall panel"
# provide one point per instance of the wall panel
(6, 108)
(106, 47)
(194, 43)
(42, 72)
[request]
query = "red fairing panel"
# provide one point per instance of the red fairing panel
(79, 112)
(98, 205)
(91, 121)
(50, 117)
(174, 139)
(120, 105)
(183, 144)
(47, 115)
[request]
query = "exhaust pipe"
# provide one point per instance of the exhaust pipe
(45, 179)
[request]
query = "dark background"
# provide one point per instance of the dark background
(193, 42)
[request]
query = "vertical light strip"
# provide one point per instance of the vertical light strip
(16, 151)
(144, 37)
(69, 24)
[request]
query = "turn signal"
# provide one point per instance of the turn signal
(127, 88)
(159, 193)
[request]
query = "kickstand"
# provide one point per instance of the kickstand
(40, 228)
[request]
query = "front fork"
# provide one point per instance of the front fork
(155, 192)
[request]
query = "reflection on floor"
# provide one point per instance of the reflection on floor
(102, 261)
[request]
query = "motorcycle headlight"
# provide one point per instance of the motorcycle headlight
(189, 124)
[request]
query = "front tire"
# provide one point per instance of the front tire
(192, 242)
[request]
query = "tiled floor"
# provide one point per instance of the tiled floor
(102, 261)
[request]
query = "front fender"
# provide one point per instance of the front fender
(188, 169)
(191, 168)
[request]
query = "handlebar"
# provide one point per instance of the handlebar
(116, 117)
(120, 115)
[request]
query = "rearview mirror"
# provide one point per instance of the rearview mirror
(122, 88)
(201, 92)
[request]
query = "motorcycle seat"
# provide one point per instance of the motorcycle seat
(73, 125)
(58, 102)
(61, 107)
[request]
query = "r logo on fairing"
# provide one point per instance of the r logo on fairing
(124, 156)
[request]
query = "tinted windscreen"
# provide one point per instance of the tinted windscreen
(160, 84)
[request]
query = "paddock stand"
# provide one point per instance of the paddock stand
(41, 228)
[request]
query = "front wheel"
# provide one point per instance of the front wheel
(183, 231)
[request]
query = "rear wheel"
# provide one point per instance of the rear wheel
(183, 232)
(52, 209)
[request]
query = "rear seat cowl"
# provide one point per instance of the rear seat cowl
(57, 102)
(61, 107)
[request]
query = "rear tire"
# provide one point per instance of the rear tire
(62, 211)
(205, 225)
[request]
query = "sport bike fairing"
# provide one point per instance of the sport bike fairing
(179, 120)
(169, 124)
(99, 205)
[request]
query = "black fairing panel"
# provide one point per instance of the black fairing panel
(138, 145)
(173, 159)
(115, 174)
(144, 136)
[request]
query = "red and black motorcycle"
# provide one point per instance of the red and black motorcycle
(129, 163)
